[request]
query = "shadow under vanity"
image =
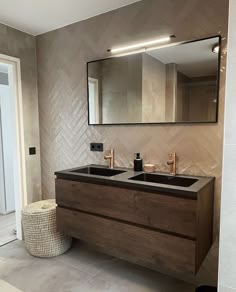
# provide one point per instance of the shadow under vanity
(163, 226)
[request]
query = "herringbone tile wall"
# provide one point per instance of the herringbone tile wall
(64, 132)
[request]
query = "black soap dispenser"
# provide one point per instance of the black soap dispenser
(138, 163)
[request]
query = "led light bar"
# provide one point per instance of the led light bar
(141, 45)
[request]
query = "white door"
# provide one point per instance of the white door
(7, 114)
(2, 183)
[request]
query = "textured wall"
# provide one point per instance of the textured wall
(65, 136)
(154, 90)
(122, 89)
(21, 45)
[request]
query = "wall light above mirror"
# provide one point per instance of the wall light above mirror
(172, 84)
(141, 46)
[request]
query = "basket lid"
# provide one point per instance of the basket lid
(40, 206)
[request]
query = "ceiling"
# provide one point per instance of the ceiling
(193, 59)
(37, 17)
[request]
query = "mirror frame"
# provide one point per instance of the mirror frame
(165, 123)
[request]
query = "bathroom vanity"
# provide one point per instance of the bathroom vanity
(155, 220)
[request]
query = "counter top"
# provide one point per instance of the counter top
(123, 180)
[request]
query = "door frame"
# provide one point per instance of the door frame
(19, 155)
(96, 102)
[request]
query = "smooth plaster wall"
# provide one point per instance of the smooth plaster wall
(153, 89)
(122, 89)
(64, 133)
(21, 45)
(227, 263)
(201, 105)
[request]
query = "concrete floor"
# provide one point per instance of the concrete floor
(7, 226)
(80, 269)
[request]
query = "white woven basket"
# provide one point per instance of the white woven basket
(40, 234)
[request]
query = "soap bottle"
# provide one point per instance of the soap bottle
(138, 163)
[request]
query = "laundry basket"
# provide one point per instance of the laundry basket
(39, 228)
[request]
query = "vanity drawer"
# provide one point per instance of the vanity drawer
(142, 246)
(168, 213)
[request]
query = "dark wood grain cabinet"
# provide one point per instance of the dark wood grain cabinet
(158, 230)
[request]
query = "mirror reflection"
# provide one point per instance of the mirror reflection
(166, 85)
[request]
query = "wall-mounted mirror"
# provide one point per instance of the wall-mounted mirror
(174, 84)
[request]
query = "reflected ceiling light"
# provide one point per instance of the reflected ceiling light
(130, 53)
(216, 49)
(143, 45)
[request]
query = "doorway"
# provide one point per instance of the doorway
(13, 195)
(7, 192)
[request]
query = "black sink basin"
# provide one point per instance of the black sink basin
(165, 179)
(98, 171)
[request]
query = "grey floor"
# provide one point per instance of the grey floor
(7, 226)
(80, 269)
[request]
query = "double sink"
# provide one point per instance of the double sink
(184, 185)
(142, 177)
(98, 171)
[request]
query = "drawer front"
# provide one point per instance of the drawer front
(139, 245)
(172, 214)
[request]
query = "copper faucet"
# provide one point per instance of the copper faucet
(172, 163)
(110, 156)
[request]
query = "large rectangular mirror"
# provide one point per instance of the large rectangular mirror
(174, 84)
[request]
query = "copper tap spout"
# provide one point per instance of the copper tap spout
(172, 163)
(110, 157)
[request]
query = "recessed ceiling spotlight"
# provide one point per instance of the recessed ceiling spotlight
(216, 49)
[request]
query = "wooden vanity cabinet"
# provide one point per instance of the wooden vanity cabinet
(164, 232)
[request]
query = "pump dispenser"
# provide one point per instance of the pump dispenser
(138, 162)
